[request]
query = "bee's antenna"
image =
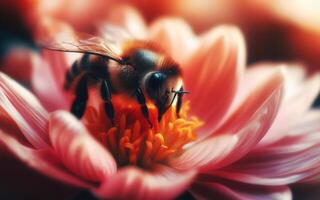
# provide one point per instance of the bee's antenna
(180, 92)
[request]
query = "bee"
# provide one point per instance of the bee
(136, 68)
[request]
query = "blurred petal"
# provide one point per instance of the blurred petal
(248, 125)
(52, 30)
(17, 64)
(50, 68)
(212, 74)
(175, 36)
(237, 191)
(133, 183)
(47, 80)
(41, 160)
(25, 110)
(80, 153)
(9, 126)
(128, 19)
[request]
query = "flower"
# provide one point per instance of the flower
(251, 136)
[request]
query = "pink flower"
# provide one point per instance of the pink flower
(253, 134)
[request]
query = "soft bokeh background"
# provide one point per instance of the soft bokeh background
(276, 30)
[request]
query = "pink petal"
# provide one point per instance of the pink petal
(41, 160)
(133, 183)
(293, 107)
(47, 80)
(299, 94)
(212, 74)
(292, 159)
(253, 76)
(9, 126)
(52, 30)
(209, 150)
(50, 69)
(58, 65)
(277, 168)
(25, 110)
(303, 134)
(251, 121)
(128, 19)
(174, 36)
(240, 133)
(80, 153)
(231, 190)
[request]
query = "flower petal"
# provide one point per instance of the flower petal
(293, 107)
(133, 183)
(266, 168)
(253, 76)
(41, 160)
(299, 95)
(17, 64)
(128, 19)
(78, 150)
(251, 121)
(25, 110)
(248, 125)
(215, 148)
(232, 190)
(49, 68)
(175, 36)
(52, 30)
(45, 83)
(212, 74)
(292, 159)
(303, 134)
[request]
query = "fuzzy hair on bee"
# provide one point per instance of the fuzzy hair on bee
(137, 68)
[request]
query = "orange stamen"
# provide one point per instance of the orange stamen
(132, 142)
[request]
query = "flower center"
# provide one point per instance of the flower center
(131, 140)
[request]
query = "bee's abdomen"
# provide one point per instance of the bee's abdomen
(78, 67)
(86, 64)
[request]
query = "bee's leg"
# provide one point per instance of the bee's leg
(179, 103)
(79, 104)
(142, 101)
(106, 96)
(161, 110)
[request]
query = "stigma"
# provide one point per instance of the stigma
(130, 139)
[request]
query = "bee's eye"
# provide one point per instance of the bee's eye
(155, 84)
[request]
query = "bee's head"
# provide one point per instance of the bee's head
(161, 89)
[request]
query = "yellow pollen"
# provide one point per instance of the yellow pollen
(132, 142)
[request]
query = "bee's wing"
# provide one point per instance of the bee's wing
(83, 43)
(114, 33)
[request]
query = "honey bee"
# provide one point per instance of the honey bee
(136, 68)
